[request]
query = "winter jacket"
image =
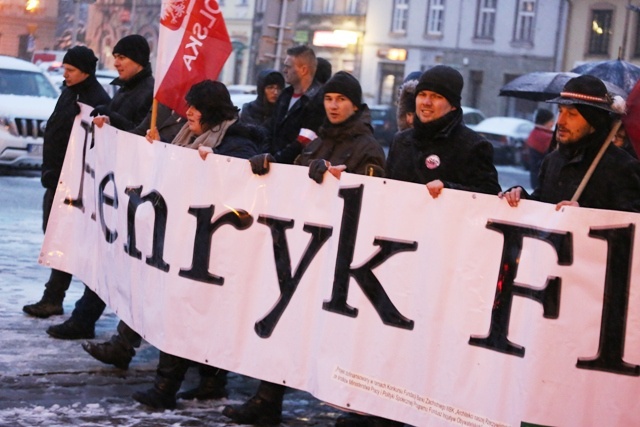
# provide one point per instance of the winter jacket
(59, 125)
(259, 111)
(540, 139)
(168, 123)
(240, 140)
(454, 154)
(350, 143)
(132, 102)
(615, 183)
(307, 112)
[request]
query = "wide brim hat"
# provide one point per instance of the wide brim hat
(586, 90)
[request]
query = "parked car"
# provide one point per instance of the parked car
(508, 136)
(27, 99)
(105, 77)
(472, 116)
(246, 89)
(384, 122)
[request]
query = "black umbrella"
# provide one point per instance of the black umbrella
(544, 85)
(616, 71)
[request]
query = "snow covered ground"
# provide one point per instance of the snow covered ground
(50, 382)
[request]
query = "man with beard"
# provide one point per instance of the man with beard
(586, 112)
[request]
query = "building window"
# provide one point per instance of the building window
(307, 6)
(600, 32)
(435, 17)
(524, 20)
(352, 7)
(261, 6)
(328, 6)
(486, 20)
(400, 16)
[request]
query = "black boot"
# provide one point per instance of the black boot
(114, 352)
(265, 408)
(161, 396)
(44, 308)
(71, 329)
(210, 386)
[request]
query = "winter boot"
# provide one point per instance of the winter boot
(265, 408)
(114, 352)
(71, 329)
(161, 396)
(44, 308)
(210, 387)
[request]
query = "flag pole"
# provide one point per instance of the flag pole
(154, 114)
(596, 160)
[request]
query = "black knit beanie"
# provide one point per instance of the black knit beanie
(443, 80)
(345, 84)
(82, 58)
(134, 47)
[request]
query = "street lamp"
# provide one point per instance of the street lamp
(31, 6)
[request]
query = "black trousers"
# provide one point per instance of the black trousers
(59, 281)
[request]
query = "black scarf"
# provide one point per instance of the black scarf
(425, 132)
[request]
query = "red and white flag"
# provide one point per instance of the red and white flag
(193, 45)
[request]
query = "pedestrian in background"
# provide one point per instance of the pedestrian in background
(298, 107)
(538, 142)
(406, 104)
(126, 110)
(269, 85)
(80, 85)
(440, 151)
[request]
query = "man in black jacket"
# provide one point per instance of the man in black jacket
(585, 118)
(80, 85)
(128, 108)
(299, 106)
(440, 151)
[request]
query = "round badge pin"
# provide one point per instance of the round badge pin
(432, 161)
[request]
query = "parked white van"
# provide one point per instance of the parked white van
(27, 99)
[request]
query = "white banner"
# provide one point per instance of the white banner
(453, 311)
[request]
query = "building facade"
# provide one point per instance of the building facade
(26, 26)
(334, 28)
(110, 20)
(489, 41)
(602, 30)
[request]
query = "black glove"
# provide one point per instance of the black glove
(317, 168)
(101, 110)
(260, 163)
